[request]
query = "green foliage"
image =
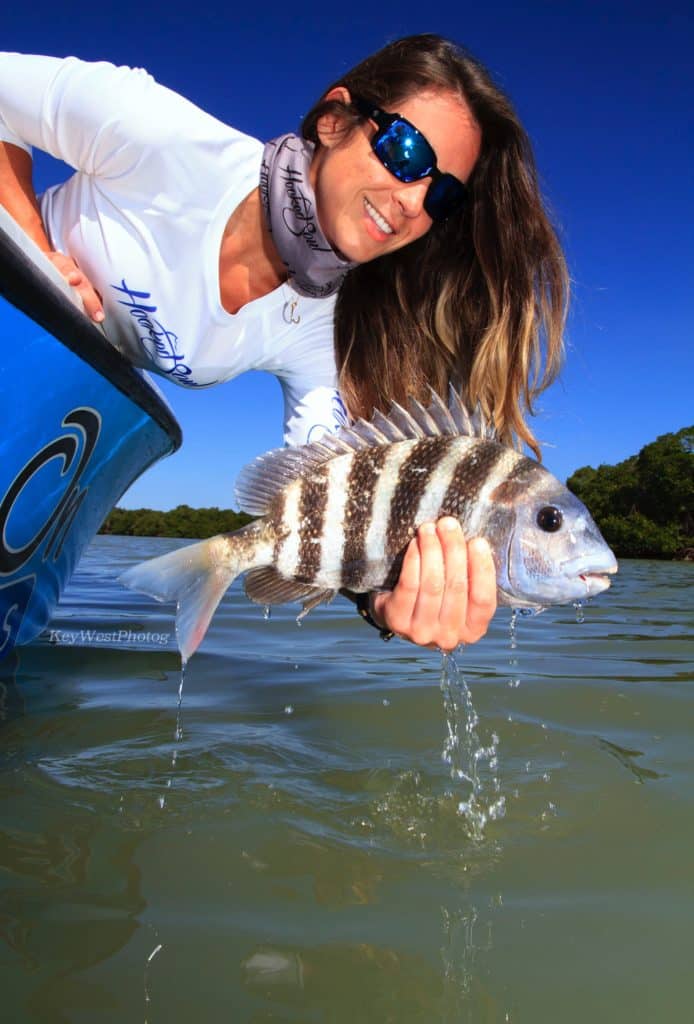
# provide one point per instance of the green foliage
(182, 521)
(644, 505)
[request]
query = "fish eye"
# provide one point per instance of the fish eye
(549, 519)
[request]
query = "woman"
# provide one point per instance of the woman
(203, 252)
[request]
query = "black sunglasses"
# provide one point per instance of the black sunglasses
(404, 151)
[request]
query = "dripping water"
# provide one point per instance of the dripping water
(155, 952)
(513, 626)
(470, 761)
(178, 733)
(514, 681)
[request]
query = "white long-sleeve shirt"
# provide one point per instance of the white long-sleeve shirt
(156, 182)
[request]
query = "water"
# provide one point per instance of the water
(333, 829)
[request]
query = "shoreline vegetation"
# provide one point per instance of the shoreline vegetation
(644, 506)
(182, 521)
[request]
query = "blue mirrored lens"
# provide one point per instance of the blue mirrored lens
(445, 196)
(405, 152)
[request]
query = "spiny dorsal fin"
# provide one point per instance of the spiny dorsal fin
(469, 424)
(260, 481)
(436, 420)
(387, 427)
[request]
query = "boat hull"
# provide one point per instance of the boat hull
(80, 425)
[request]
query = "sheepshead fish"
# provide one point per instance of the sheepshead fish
(340, 512)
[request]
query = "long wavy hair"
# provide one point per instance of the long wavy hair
(480, 300)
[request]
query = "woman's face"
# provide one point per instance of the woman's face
(363, 209)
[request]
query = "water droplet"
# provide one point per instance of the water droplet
(386, 702)
(497, 809)
(266, 612)
(550, 811)
(289, 709)
(580, 616)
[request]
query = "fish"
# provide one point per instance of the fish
(339, 513)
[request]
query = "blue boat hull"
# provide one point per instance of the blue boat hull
(80, 425)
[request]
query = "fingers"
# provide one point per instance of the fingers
(481, 590)
(425, 625)
(395, 608)
(446, 593)
(77, 279)
(453, 612)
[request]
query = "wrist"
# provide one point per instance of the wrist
(365, 607)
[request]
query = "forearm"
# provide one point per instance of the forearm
(17, 194)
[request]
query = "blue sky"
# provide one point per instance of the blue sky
(605, 91)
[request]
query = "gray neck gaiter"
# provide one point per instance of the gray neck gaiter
(315, 268)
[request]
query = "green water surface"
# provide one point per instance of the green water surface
(290, 845)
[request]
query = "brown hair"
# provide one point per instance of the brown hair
(481, 299)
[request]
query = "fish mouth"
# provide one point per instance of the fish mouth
(596, 582)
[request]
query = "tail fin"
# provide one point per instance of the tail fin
(196, 577)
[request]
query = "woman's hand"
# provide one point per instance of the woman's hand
(18, 198)
(446, 594)
(78, 280)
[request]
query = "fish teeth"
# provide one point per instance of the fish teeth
(378, 220)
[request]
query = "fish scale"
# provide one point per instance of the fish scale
(339, 513)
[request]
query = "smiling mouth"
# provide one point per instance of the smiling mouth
(380, 221)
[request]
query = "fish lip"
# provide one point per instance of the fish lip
(598, 573)
(591, 575)
(597, 567)
(596, 582)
